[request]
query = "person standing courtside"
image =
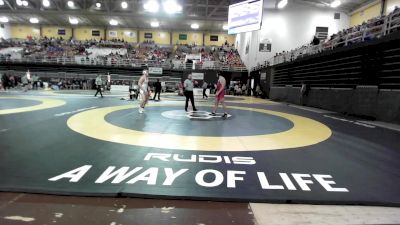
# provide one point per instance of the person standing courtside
(220, 96)
(35, 80)
(157, 86)
(188, 85)
(205, 85)
(25, 82)
(99, 83)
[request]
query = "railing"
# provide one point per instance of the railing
(388, 25)
(76, 79)
(124, 63)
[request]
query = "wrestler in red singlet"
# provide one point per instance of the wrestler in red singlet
(220, 95)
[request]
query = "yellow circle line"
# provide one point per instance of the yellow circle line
(45, 104)
(244, 100)
(304, 132)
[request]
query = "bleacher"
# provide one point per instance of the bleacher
(357, 72)
(365, 62)
(115, 53)
(374, 28)
(360, 79)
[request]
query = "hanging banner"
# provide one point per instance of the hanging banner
(193, 57)
(155, 70)
(119, 88)
(265, 46)
(198, 76)
(112, 33)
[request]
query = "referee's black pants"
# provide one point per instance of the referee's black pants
(204, 93)
(98, 91)
(189, 95)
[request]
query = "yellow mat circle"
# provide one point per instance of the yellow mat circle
(45, 104)
(304, 132)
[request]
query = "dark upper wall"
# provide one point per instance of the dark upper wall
(359, 80)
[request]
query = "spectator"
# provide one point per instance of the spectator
(204, 86)
(157, 86)
(315, 41)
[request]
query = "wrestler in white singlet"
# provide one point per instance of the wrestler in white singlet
(144, 90)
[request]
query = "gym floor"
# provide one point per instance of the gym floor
(71, 143)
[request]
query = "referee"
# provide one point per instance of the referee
(99, 83)
(188, 85)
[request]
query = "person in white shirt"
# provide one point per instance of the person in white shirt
(144, 90)
(237, 90)
(25, 83)
(99, 83)
(188, 85)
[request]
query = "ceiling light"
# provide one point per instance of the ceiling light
(19, 2)
(194, 26)
(73, 20)
(225, 27)
(34, 20)
(46, 3)
(113, 22)
(25, 3)
(1, 2)
(3, 19)
(282, 4)
(151, 6)
(171, 7)
(335, 3)
(98, 4)
(124, 5)
(70, 4)
(155, 24)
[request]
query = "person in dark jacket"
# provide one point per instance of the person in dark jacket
(315, 41)
(157, 86)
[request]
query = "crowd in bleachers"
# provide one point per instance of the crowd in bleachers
(207, 54)
(154, 53)
(210, 56)
(231, 58)
(59, 50)
(372, 29)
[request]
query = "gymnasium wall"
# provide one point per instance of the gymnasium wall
(192, 37)
(52, 32)
(159, 37)
(390, 5)
(129, 35)
(365, 13)
(23, 31)
(221, 39)
(85, 33)
(287, 29)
